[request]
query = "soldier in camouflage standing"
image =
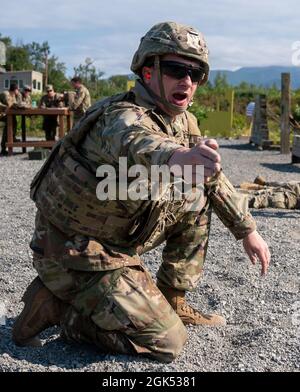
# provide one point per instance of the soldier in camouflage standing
(82, 99)
(266, 194)
(92, 281)
(9, 99)
(50, 100)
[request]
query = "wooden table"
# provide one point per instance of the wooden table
(60, 112)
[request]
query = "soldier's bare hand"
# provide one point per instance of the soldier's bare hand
(257, 248)
(201, 154)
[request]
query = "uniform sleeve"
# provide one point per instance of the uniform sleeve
(230, 206)
(4, 100)
(78, 100)
(28, 103)
(133, 138)
(19, 101)
(42, 104)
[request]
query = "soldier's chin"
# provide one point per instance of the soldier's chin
(179, 108)
(180, 103)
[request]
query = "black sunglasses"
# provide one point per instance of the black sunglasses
(179, 71)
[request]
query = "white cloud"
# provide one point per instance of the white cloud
(232, 53)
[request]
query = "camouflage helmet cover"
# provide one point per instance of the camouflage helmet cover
(171, 38)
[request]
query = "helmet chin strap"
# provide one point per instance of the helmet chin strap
(162, 98)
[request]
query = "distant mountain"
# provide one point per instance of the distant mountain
(264, 76)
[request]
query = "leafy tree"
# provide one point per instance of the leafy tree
(57, 74)
(17, 59)
(91, 77)
(38, 53)
(6, 40)
(220, 82)
(39, 56)
(118, 82)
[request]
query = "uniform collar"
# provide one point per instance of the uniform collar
(142, 97)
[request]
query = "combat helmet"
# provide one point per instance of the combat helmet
(171, 38)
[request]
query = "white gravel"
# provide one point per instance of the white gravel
(263, 331)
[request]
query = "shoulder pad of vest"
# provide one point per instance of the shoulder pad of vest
(125, 113)
(106, 102)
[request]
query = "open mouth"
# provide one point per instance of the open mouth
(180, 99)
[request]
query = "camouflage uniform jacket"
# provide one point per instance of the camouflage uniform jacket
(11, 101)
(51, 102)
(7, 100)
(133, 128)
(82, 101)
(24, 101)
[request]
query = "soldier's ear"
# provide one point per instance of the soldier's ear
(147, 74)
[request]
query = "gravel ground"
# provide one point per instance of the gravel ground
(263, 314)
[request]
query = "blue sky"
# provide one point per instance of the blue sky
(238, 33)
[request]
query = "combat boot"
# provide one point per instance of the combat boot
(260, 180)
(41, 311)
(189, 315)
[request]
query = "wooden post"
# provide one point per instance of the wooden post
(69, 122)
(285, 114)
(61, 131)
(23, 122)
(10, 133)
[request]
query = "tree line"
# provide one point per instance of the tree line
(38, 57)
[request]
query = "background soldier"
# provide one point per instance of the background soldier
(9, 99)
(50, 100)
(91, 280)
(82, 99)
(266, 194)
(25, 98)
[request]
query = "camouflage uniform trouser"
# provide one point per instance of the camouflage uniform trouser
(122, 310)
(276, 195)
(49, 126)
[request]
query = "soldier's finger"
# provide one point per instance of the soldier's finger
(210, 171)
(212, 143)
(264, 262)
(264, 267)
(251, 255)
(268, 255)
(208, 153)
(206, 162)
(253, 259)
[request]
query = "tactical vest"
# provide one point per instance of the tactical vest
(64, 190)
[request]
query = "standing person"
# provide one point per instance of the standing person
(249, 116)
(92, 281)
(50, 100)
(9, 99)
(82, 99)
